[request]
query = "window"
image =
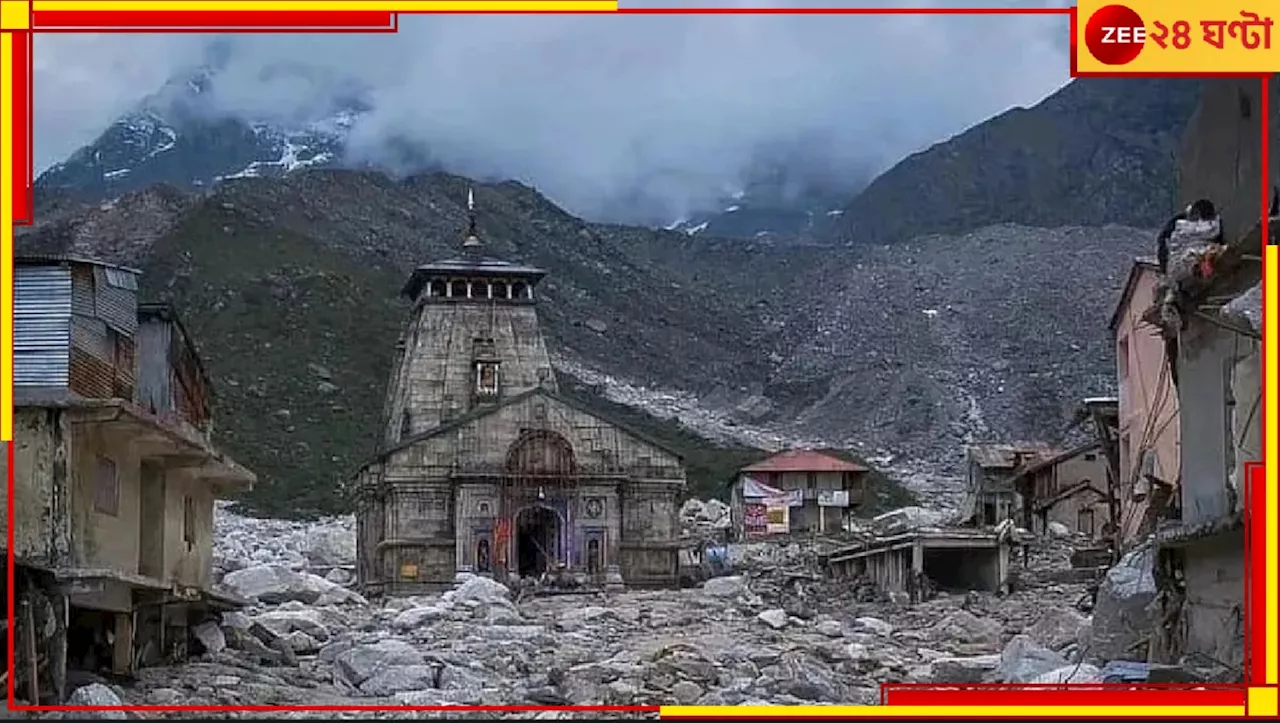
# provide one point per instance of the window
(812, 480)
(1084, 520)
(106, 487)
(189, 521)
(593, 556)
(487, 379)
(482, 556)
(1090, 457)
(406, 424)
(1122, 358)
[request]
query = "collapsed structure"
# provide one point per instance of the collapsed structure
(114, 475)
(486, 468)
(1204, 314)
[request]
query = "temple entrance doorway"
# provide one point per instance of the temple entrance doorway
(537, 541)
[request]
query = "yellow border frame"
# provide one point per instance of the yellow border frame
(14, 15)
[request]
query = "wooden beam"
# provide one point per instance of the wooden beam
(33, 660)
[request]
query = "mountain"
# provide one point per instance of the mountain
(1101, 150)
(289, 286)
(979, 320)
(174, 137)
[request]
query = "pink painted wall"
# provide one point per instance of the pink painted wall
(1148, 403)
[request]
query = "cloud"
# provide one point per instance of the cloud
(663, 109)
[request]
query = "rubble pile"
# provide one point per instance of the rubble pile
(710, 516)
(775, 631)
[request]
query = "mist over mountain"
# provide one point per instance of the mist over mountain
(640, 119)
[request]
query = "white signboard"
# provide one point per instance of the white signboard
(833, 498)
(793, 498)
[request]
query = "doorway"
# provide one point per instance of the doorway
(537, 535)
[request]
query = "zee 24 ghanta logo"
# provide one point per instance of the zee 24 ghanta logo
(1116, 34)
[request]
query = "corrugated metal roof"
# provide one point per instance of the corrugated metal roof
(803, 460)
(51, 259)
(1009, 456)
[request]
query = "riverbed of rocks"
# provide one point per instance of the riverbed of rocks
(775, 631)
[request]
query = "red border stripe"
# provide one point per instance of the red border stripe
(23, 202)
(1067, 695)
(1255, 581)
(209, 19)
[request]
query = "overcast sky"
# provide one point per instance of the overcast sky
(589, 108)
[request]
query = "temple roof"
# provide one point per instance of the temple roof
(483, 267)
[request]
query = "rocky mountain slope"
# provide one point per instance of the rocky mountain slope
(938, 326)
(1097, 151)
(290, 284)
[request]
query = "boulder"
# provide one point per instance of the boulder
(725, 587)
(1023, 660)
(482, 590)
(875, 625)
(965, 628)
(275, 584)
(973, 669)
(330, 546)
(210, 637)
(359, 663)
(1081, 673)
(1122, 620)
(97, 694)
(775, 618)
(1059, 628)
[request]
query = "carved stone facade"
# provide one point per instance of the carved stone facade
(485, 468)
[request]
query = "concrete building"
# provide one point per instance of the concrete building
(1149, 442)
(920, 561)
(817, 489)
(1209, 308)
(113, 496)
(485, 468)
(1202, 560)
(1069, 488)
(990, 495)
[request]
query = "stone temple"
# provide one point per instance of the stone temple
(485, 468)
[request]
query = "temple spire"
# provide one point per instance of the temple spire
(473, 238)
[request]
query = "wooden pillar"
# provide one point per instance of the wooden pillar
(30, 651)
(122, 651)
(58, 647)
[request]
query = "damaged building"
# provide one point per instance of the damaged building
(1208, 308)
(114, 474)
(1211, 308)
(1068, 488)
(990, 494)
(796, 491)
(919, 561)
(1148, 441)
(485, 468)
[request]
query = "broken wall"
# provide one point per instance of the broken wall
(1221, 154)
(1148, 407)
(188, 529)
(41, 530)
(1219, 379)
(1213, 613)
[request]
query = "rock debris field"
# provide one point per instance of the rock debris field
(774, 632)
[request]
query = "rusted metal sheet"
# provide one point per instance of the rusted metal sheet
(116, 296)
(155, 390)
(89, 376)
(82, 301)
(41, 325)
